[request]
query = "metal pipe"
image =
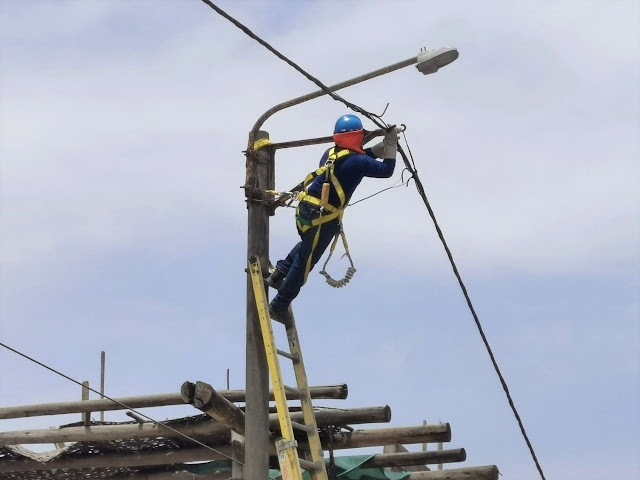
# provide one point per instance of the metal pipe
(368, 136)
(319, 93)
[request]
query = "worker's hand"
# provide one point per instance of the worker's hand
(390, 142)
(378, 150)
(388, 147)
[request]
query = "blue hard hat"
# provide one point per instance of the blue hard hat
(347, 123)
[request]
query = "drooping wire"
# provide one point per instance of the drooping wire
(410, 165)
(413, 164)
(400, 183)
(310, 77)
(51, 369)
(471, 308)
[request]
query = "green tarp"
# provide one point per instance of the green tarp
(347, 468)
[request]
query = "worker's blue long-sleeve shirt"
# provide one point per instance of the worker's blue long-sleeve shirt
(350, 171)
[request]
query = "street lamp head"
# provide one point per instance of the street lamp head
(430, 61)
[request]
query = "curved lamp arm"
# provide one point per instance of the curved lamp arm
(319, 93)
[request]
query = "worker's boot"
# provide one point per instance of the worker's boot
(282, 316)
(275, 279)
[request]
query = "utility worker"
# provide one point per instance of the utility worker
(342, 167)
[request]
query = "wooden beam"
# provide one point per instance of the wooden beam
(173, 476)
(86, 417)
(403, 449)
(237, 452)
(468, 473)
(100, 433)
(207, 431)
(205, 398)
(489, 472)
(388, 436)
(406, 459)
(356, 439)
(338, 392)
(120, 460)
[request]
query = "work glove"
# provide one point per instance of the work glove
(378, 150)
(389, 146)
(391, 142)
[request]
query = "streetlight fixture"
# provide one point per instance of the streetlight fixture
(259, 177)
(430, 61)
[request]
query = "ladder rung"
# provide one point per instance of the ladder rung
(292, 390)
(288, 355)
(304, 428)
(310, 466)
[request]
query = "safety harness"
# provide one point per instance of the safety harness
(328, 213)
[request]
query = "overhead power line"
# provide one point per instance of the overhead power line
(307, 75)
(411, 167)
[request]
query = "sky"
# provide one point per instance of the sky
(123, 224)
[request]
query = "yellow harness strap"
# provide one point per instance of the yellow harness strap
(333, 211)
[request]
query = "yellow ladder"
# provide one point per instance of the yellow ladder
(286, 447)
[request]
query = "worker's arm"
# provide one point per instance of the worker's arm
(370, 167)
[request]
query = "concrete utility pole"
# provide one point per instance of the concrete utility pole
(259, 168)
(260, 176)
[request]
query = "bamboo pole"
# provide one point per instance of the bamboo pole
(356, 439)
(339, 392)
(209, 430)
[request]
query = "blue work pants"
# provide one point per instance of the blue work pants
(294, 265)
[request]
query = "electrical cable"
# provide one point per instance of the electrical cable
(399, 183)
(310, 77)
(411, 167)
(473, 313)
(117, 402)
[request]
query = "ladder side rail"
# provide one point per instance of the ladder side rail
(315, 446)
(287, 453)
